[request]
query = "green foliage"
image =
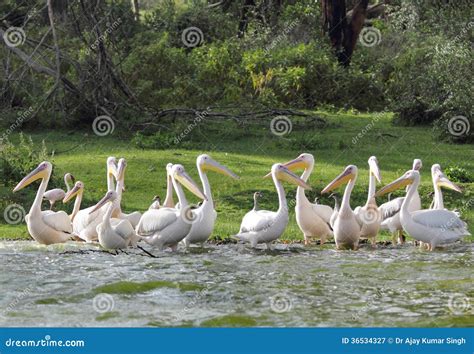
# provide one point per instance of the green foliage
(428, 79)
(420, 69)
(303, 75)
(173, 19)
(458, 174)
(17, 160)
(158, 140)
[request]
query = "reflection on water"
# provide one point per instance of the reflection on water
(232, 285)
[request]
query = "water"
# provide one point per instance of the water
(232, 285)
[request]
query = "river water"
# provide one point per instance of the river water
(76, 284)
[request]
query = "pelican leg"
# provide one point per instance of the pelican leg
(373, 242)
(323, 240)
(269, 246)
(306, 240)
(51, 204)
(432, 246)
(174, 247)
(401, 237)
(394, 238)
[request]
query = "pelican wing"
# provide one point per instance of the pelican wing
(440, 219)
(333, 218)
(156, 220)
(257, 220)
(54, 194)
(391, 208)
(83, 219)
(134, 217)
(324, 211)
(59, 221)
(358, 215)
(124, 229)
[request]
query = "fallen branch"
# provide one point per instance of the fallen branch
(148, 253)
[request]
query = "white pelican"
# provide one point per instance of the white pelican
(391, 211)
(335, 210)
(135, 216)
(312, 219)
(76, 191)
(111, 172)
(346, 225)
(169, 202)
(264, 226)
(119, 234)
(369, 215)
(256, 196)
(205, 215)
(46, 227)
(166, 227)
(435, 227)
(56, 194)
(85, 223)
(155, 204)
(440, 180)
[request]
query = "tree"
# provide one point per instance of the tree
(136, 9)
(343, 28)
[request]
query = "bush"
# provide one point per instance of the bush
(458, 174)
(20, 159)
(306, 75)
(428, 79)
(158, 140)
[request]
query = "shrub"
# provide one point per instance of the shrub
(306, 75)
(17, 160)
(458, 174)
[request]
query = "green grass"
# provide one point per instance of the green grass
(250, 153)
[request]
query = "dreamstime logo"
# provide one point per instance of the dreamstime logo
(200, 116)
(14, 214)
(459, 304)
(103, 303)
(14, 36)
(459, 125)
(366, 129)
(103, 125)
(281, 125)
(280, 303)
(104, 35)
(189, 216)
(192, 37)
(370, 36)
(281, 37)
(370, 214)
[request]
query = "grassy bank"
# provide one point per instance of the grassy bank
(345, 139)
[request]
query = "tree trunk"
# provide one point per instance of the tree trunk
(244, 16)
(136, 9)
(343, 32)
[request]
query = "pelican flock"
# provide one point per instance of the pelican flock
(167, 224)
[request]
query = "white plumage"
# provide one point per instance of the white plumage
(166, 227)
(263, 226)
